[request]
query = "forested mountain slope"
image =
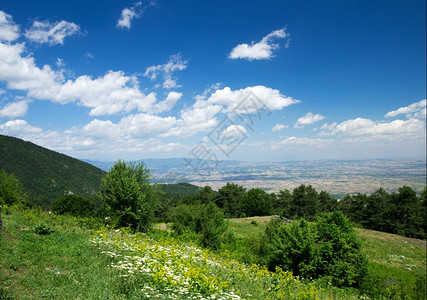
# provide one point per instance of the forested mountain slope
(45, 174)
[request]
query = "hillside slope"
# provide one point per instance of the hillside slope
(46, 174)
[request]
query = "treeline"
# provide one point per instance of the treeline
(402, 212)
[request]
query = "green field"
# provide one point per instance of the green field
(47, 256)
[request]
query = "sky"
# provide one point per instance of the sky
(216, 80)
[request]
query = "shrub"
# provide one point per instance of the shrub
(43, 229)
(206, 220)
(11, 190)
(327, 248)
(186, 218)
(73, 205)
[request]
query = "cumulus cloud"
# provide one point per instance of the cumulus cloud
(234, 131)
(412, 128)
(247, 100)
(109, 94)
(9, 31)
(20, 71)
(260, 50)
(175, 63)
(308, 119)
(278, 127)
(415, 110)
(168, 103)
(43, 32)
(18, 128)
(14, 110)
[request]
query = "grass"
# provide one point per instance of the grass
(55, 257)
(397, 264)
(59, 265)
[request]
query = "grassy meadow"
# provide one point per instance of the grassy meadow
(45, 256)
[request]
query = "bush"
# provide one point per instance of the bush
(73, 205)
(11, 190)
(206, 220)
(327, 248)
(186, 218)
(43, 229)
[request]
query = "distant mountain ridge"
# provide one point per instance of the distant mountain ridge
(45, 174)
(157, 164)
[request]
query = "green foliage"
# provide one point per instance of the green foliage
(129, 196)
(11, 190)
(47, 175)
(186, 218)
(230, 199)
(212, 225)
(256, 202)
(340, 252)
(43, 229)
(329, 248)
(403, 212)
(305, 202)
(73, 205)
(207, 220)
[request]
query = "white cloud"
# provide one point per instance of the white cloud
(109, 94)
(397, 129)
(261, 50)
(306, 142)
(278, 127)
(9, 31)
(168, 103)
(44, 32)
(130, 13)
(417, 110)
(20, 70)
(234, 131)
(247, 100)
(18, 128)
(308, 119)
(14, 110)
(175, 63)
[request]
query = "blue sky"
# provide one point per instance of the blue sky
(246, 80)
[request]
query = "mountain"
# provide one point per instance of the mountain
(161, 165)
(45, 174)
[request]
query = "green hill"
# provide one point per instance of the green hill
(45, 174)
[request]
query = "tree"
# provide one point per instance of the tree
(212, 225)
(11, 191)
(326, 202)
(229, 198)
(73, 205)
(205, 195)
(406, 205)
(257, 203)
(128, 195)
(283, 203)
(305, 202)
